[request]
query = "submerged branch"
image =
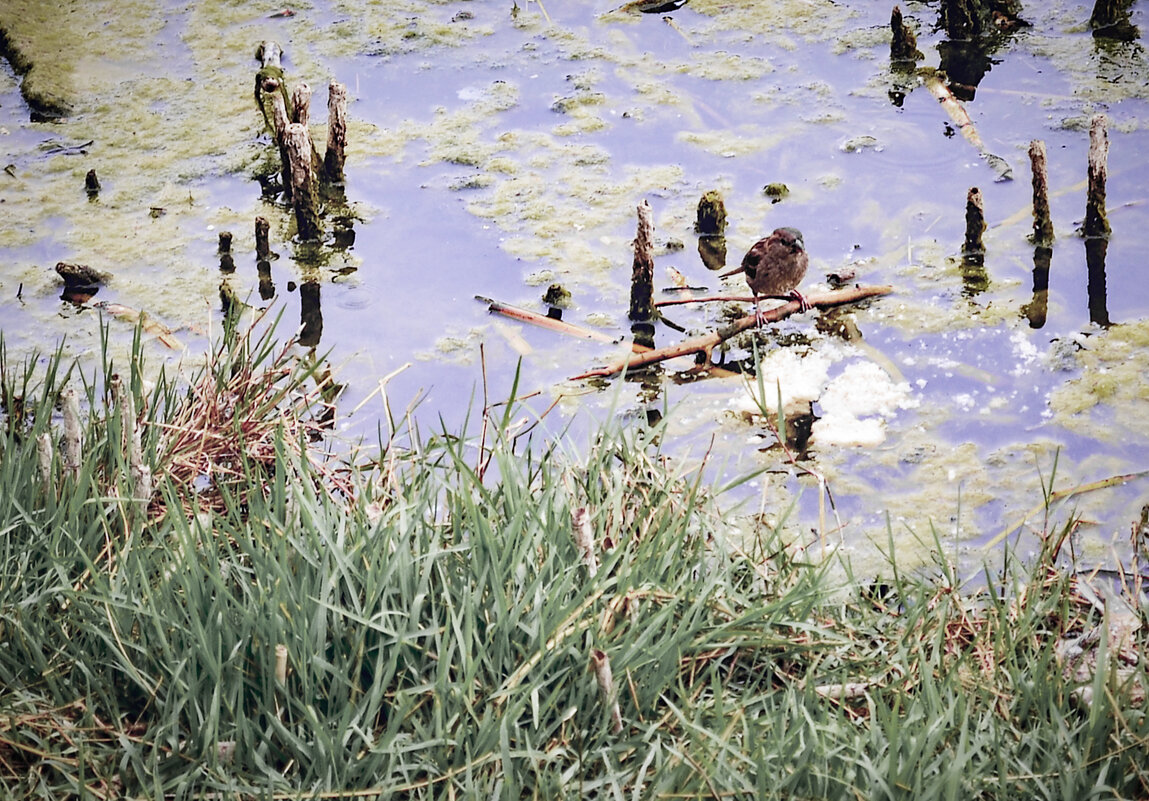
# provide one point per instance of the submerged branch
(706, 342)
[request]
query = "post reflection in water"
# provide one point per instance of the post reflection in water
(1095, 249)
(310, 315)
(712, 251)
(266, 287)
(1037, 308)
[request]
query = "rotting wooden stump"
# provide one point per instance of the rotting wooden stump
(304, 187)
(333, 157)
(1096, 222)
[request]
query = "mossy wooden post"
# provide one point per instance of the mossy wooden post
(1096, 223)
(280, 119)
(903, 44)
(333, 157)
(642, 274)
(1042, 221)
(304, 190)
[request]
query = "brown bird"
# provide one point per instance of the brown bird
(774, 267)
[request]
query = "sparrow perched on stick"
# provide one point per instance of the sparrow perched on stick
(774, 267)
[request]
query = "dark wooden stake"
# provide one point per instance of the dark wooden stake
(262, 246)
(333, 157)
(1096, 223)
(91, 184)
(975, 226)
(642, 274)
(904, 44)
(304, 189)
(1042, 222)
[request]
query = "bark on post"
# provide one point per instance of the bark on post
(304, 191)
(333, 157)
(1042, 222)
(642, 273)
(1096, 223)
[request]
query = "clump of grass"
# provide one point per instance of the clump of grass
(436, 623)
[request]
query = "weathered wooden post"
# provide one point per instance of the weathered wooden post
(333, 157)
(642, 272)
(642, 279)
(1096, 223)
(1042, 221)
(304, 189)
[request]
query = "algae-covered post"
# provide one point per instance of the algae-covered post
(1042, 222)
(1096, 223)
(304, 191)
(333, 157)
(642, 274)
